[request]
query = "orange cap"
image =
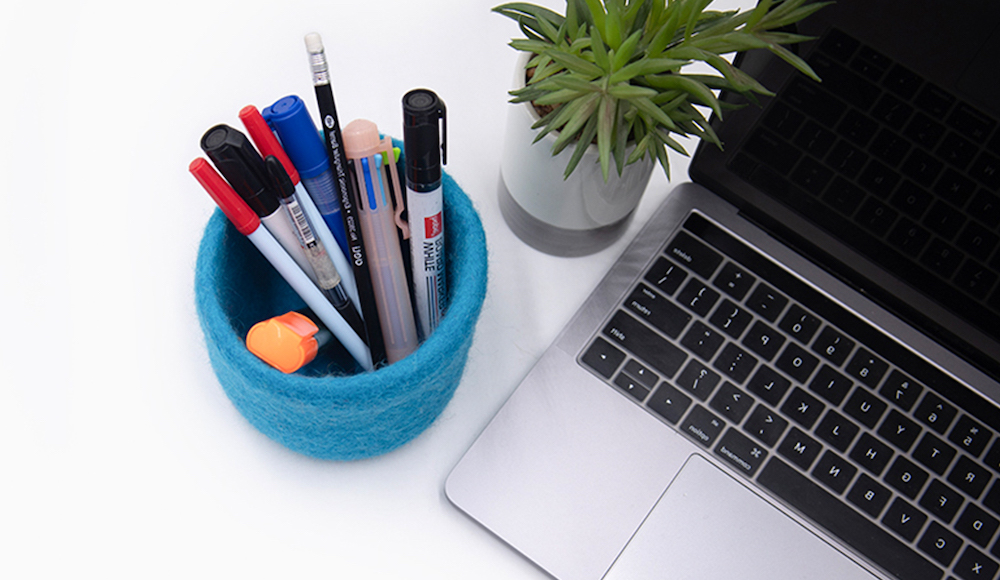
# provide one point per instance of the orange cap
(285, 342)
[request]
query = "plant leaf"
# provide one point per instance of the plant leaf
(585, 108)
(626, 91)
(626, 51)
(645, 67)
(653, 112)
(586, 138)
(605, 127)
(599, 49)
(575, 63)
(688, 85)
(759, 12)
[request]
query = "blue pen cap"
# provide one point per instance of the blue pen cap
(290, 119)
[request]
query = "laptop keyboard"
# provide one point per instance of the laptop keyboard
(821, 409)
(896, 166)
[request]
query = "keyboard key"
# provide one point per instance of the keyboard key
(985, 206)
(974, 565)
(971, 122)
(632, 387)
(702, 426)
(902, 82)
(869, 495)
(657, 311)
(857, 128)
(970, 435)
(944, 220)
(906, 477)
(934, 453)
(975, 278)
(957, 151)
(986, 170)
(904, 519)
(797, 362)
(698, 380)
(941, 501)
(799, 448)
(741, 452)
(844, 83)
(899, 430)
(694, 254)
(837, 430)
(767, 302)
(773, 151)
(769, 385)
(992, 499)
(876, 217)
(846, 159)
(735, 363)
(866, 367)
(630, 334)
(901, 390)
(871, 454)
(934, 412)
(809, 98)
(909, 238)
(669, 403)
(803, 408)
(666, 276)
(698, 297)
(765, 425)
(942, 259)
(834, 472)
(868, 538)
(763, 340)
(644, 376)
(940, 544)
(865, 407)
(831, 385)
(955, 187)
(731, 402)
(969, 477)
(799, 324)
(811, 176)
(924, 130)
(934, 100)
(992, 459)
(702, 340)
(815, 140)
(782, 119)
(734, 281)
(878, 179)
(603, 357)
(978, 241)
(977, 525)
(839, 45)
(911, 199)
(844, 196)
(892, 111)
(890, 147)
(731, 318)
(833, 345)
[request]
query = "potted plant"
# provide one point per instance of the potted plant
(602, 91)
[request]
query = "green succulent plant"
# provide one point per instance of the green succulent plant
(612, 71)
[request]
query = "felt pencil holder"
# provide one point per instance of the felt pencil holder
(330, 409)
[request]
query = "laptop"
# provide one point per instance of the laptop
(792, 371)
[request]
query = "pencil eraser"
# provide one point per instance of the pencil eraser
(314, 44)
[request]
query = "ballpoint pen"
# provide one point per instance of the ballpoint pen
(248, 223)
(364, 150)
(267, 143)
(327, 277)
(426, 149)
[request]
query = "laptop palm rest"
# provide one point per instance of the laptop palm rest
(730, 531)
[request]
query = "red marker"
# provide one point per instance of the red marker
(248, 224)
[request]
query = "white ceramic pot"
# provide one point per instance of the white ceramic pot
(567, 217)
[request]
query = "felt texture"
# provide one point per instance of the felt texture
(331, 409)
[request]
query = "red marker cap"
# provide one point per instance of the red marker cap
(231, 204)
(265, 140)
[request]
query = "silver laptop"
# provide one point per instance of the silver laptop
(792, 372)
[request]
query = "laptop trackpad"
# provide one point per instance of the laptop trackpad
(708, 525)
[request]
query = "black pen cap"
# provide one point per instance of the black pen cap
(280, 180)
(237, 160)
(426, 149)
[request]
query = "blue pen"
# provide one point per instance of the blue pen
(300, 138)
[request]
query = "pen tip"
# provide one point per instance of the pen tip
(314, 44)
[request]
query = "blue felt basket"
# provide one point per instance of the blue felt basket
(330, 409)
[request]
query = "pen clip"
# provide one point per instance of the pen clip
(397, 190)
(443, 112)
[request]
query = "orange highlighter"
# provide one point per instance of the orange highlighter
(290, 341)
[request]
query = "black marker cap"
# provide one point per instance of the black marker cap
(279, 177)
(426, 149)
(237, 160)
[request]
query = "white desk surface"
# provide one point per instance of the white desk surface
(119, 452)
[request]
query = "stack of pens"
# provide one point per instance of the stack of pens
(327, 213)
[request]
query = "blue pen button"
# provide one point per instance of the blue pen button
(289, 117)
